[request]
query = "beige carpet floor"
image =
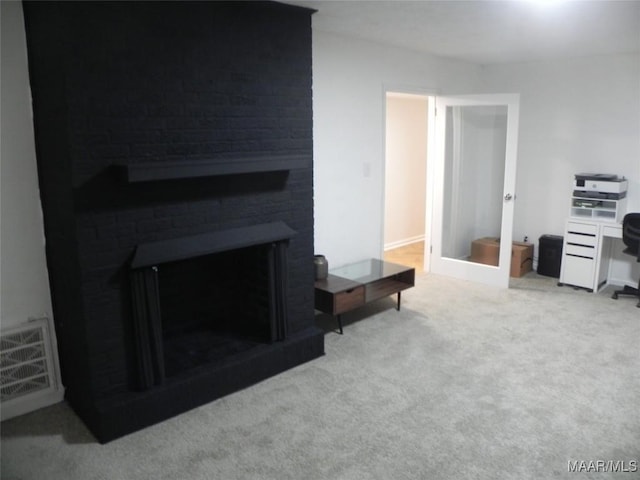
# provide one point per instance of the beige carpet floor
(465, 382)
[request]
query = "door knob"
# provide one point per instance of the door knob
(508, 197)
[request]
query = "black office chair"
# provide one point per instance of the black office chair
(631, 238)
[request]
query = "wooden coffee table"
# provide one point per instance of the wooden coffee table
(357, 284)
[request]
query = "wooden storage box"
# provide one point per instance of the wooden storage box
(486, 250)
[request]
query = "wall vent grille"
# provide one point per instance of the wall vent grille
(25, 364)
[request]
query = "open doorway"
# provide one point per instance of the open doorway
(405, 209)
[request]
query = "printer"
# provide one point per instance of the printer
(600, 185)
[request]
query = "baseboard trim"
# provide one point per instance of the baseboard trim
(621, 282)
(403, 243)
(29, 403)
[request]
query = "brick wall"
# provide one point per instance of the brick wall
(134, 82)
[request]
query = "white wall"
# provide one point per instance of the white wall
(349, 81)
(24, 283)
(577, 115)
(405, 169)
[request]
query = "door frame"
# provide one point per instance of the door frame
(430, 94)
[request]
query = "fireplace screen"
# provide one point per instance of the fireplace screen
(207, 308)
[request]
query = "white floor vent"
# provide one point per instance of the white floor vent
(28, 377)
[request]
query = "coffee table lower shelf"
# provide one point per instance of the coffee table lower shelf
(338, 294)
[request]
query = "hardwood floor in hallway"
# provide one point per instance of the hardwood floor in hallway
(411, 255)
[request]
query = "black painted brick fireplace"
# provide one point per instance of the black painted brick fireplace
(171, 132)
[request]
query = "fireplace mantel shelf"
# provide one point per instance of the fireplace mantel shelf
(153, 171)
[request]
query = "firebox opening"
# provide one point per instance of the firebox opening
(214, 307)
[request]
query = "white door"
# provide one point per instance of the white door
(476, 142)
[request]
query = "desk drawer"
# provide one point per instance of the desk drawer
(581, 239)
(580, 251)
(584, 228)
(614, 232)
(349, 299)
(578, 271)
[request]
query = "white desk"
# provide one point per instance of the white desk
(586, 253)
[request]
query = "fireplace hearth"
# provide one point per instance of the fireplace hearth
(174, 148)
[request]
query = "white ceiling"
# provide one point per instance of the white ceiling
(487, 31)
